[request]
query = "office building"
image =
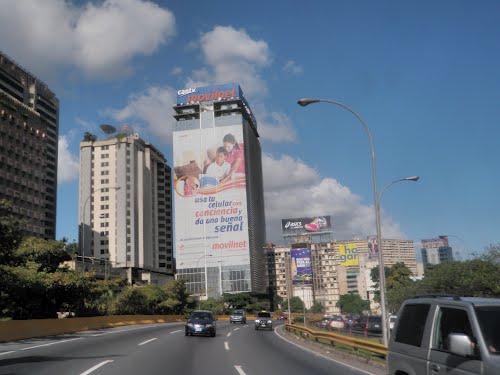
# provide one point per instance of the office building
(219, 200)
(125, 206)
(436, 251)
(29, 128)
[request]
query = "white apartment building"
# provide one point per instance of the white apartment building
(125, 204)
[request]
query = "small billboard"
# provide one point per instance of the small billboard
(372, 247)
(301, 266)
(306, 225)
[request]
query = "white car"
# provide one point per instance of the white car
(392, 320)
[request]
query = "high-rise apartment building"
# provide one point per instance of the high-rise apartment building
(219, 200)
(29, 128)
(125, 204)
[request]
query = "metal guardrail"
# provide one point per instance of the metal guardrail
(335, 338)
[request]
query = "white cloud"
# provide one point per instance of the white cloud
(176, 71)
(101, 39)
(234, 57)
(153, 107)
(68, 165)
(275, 126)
(293, 189)
(292, 67)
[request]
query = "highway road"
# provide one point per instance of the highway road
(163, 349)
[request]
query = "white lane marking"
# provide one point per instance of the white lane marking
(176, 331)
(145, 342)
(318, 354)
(226, 345)
(124, 330)
(96, 367)
(12, 351)
(229, 334)
(240, 371)
(50, 343)
(235, 329)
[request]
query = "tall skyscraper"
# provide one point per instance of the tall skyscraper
(219, 199)
(29, 128)
(125, 205)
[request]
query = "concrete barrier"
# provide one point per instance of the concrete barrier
(12, 330)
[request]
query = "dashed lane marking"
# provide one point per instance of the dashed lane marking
(145, 342)
(92, 369)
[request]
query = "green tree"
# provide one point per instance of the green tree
(375, 276)
(238, 300)
(491, 254)
(352, 304)
(131, 301)
(179, 300)
(216, 305)
(399, 275)
(47, 254)
(10, 232)
(317, 308)
(296, 304)
(476, 278)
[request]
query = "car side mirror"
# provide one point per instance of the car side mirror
(460, 344)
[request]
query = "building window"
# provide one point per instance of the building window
(104, 173)
(105, 181)
(105, 164)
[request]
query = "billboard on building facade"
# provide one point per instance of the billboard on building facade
(306, 225)
(348, 254)
(210, 195)
(372, 247)
(301, 266)
(435, 242)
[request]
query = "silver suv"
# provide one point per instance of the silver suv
(263, 320)
(443, 334)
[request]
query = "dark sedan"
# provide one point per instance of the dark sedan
(201, 322)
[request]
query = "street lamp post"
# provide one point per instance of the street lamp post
(306, 101)
(204, 256)
(83, 222)
(379, 244)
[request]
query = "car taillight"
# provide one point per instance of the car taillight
(366, 325)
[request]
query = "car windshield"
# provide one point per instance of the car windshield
(489, 321)
(263, 315)
(201, 315)
(375, 319)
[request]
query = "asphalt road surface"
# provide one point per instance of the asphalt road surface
(163, 349)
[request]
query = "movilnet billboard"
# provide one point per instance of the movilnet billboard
(301, 266)
(306, 225)
(434, 243)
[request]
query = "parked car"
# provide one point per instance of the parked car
(263, 320)
(392, 320)
(337, 322)
(438, 334)
(201, 322)
(372, 323)
(238, 316)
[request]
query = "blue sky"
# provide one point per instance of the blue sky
(423, 75)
